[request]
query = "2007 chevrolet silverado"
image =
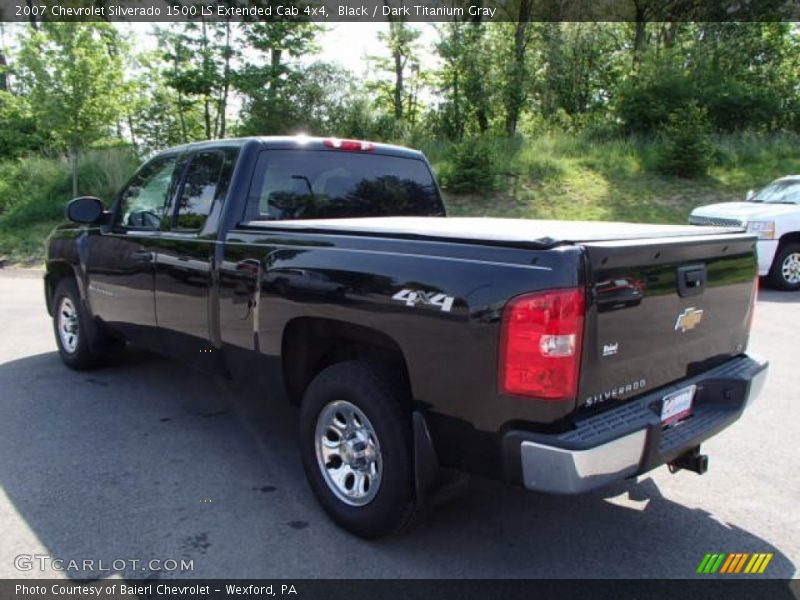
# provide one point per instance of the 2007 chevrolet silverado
(556, 355)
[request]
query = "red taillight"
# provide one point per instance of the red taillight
(356, 145)
(540, 345)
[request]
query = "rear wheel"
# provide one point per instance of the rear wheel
(785, 271)
(355, 442)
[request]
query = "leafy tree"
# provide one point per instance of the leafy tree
(323, 100)
(583, 65)
(517, 76)
(155, 114)
(467, 55)
(645, 101)
(269, 84)
(476, 63)
(200, 56)
(72, 73)
(19, 131)
(403, 64)
(744, 74)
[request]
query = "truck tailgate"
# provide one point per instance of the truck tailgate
(663, 309)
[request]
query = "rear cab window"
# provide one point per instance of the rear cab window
(319, 184)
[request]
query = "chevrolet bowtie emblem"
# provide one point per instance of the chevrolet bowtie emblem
(688, 319)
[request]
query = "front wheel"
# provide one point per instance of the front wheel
(76, 337)
(785, 271)
(355, 443)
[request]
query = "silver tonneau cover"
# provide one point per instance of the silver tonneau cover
(485, 229)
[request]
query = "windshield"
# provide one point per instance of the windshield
(780, 192)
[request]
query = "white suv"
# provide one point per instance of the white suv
(774, 214)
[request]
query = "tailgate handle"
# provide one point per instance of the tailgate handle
(691, 280)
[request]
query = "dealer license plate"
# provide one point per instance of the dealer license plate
(677, 405)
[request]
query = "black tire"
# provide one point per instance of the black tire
(87, 339)
(369, 387)
(282, 287)
(778, 275)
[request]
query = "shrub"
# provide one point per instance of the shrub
(19, 130)
(36, 189)
(473, 167)
(644, 102)
(686, 149)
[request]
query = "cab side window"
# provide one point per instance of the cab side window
(206, 180)
(143, 202)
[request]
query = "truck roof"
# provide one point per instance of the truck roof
(297, 142)
(538, 233)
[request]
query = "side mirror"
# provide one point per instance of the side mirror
(86, 209)
(750, 195)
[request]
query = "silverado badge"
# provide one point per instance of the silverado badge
(688, 319)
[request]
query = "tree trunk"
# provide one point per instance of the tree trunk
(73, 159)
(223, 105)
(640, 37)
(3, 75)
(181, 117)
(275, 60)
(133, 134)
(670, 34)
(207, 116)
(458, 124)
(413, 94)
(398, 85)
(32, 18)
(517, 97)
(274, 76)
(206, 98)
(399, 61)
(477, 94)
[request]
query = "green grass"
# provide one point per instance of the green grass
(552, 176)
(561, 176)
(34, 191)
(25, 246)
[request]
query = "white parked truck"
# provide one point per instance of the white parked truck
(774, 214)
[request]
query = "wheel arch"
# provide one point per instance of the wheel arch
(57, 271)
(310, 344)
(793, 237)
(788, 243)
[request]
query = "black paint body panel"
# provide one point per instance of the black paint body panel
(225, 299)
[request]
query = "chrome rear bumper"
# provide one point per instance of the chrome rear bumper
(629, 439)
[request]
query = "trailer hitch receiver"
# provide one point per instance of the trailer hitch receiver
(691, 460)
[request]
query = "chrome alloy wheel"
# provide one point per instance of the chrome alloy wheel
(348, 453)
(790, 268)
(68, 325)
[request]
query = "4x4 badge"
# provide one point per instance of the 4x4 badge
(688, 319)
(420, 297)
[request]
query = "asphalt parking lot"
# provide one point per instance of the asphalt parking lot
(148, 460)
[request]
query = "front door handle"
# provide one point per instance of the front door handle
(144, 256)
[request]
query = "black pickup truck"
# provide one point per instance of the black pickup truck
(559, 356)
